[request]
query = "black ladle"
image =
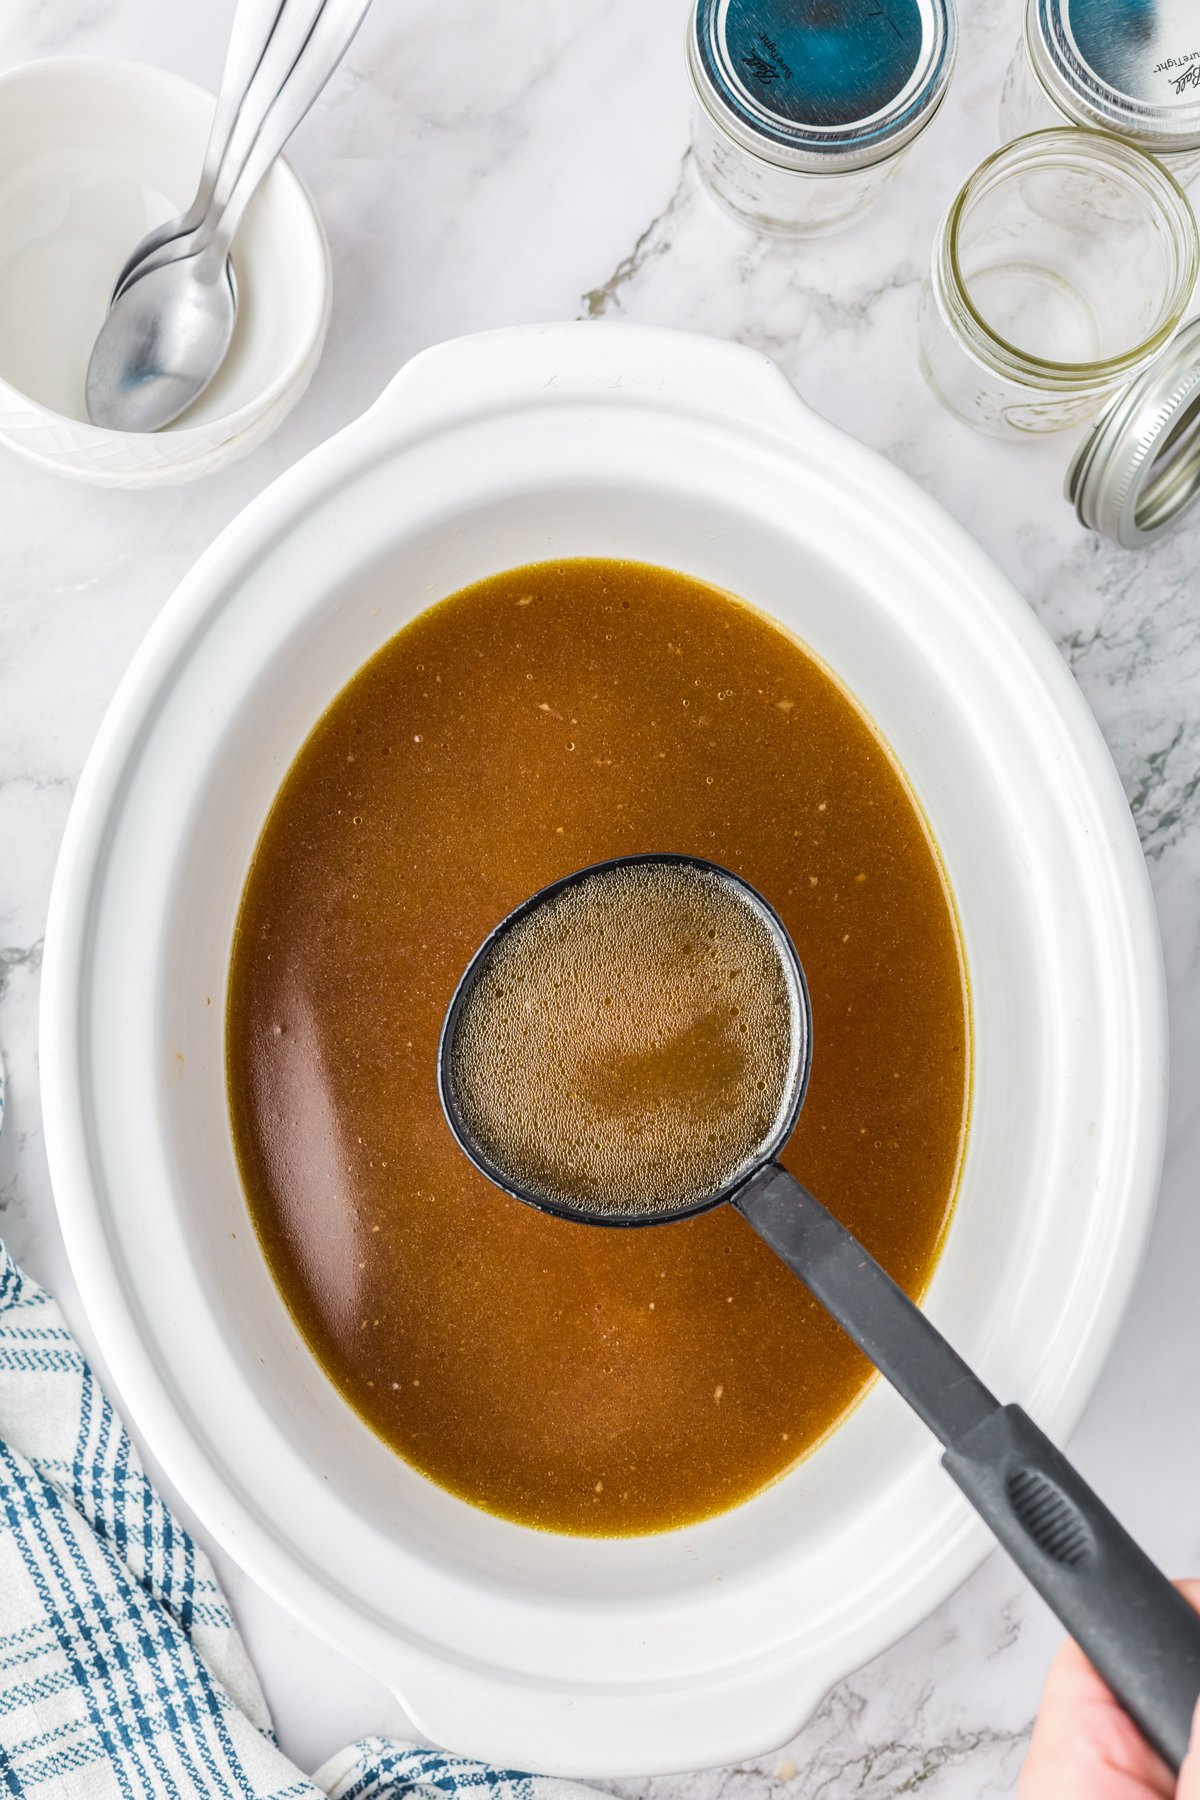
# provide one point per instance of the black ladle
(1136, 1629)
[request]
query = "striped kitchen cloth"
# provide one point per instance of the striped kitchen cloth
(122, 1675)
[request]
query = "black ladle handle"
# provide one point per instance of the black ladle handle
(1135, 1628)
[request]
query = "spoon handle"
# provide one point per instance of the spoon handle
(1136, 1629)
(294, 24)
(253, 24)
(331, 35)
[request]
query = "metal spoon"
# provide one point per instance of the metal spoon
(1136, 1629)
(293, 26)
(253, 23)
(169, 329)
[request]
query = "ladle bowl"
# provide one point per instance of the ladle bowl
(794, 1088)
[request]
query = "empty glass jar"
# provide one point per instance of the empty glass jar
(803, 107)
(1063, 268)
(1127, 66)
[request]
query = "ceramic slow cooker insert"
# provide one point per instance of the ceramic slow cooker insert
(715, 1642)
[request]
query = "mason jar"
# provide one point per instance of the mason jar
(1064, 266)
(1131, 67)
(804, 107)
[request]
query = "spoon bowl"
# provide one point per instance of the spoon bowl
(164, 336)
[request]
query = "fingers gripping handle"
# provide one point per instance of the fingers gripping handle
(1137, 1631)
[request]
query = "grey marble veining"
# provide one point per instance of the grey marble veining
(484, 165)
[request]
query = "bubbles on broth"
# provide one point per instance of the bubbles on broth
(629, 1044)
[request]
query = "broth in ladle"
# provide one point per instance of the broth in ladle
(625, 1046)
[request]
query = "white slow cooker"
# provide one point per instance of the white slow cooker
(716, 1642)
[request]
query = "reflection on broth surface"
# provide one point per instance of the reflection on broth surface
(579, 1379)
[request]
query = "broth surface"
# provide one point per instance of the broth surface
(575, 1378)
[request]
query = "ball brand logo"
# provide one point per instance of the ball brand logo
(1188, 68)
(770, 64)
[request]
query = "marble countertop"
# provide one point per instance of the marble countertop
(482, 165)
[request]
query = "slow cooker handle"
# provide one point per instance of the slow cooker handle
(1137, 1630)
(596, 364)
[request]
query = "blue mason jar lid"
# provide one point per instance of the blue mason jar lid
(822, 85)
(1128, 66)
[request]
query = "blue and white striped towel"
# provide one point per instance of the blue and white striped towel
(122, 1675)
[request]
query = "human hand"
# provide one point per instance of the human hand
(1086, 1748)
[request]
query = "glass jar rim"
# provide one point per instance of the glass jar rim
(1109, 150)
(1085, 98)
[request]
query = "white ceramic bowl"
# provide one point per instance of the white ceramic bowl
(92, 154)
(715, 1642)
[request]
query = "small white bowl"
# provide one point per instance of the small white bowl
(93, 153)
